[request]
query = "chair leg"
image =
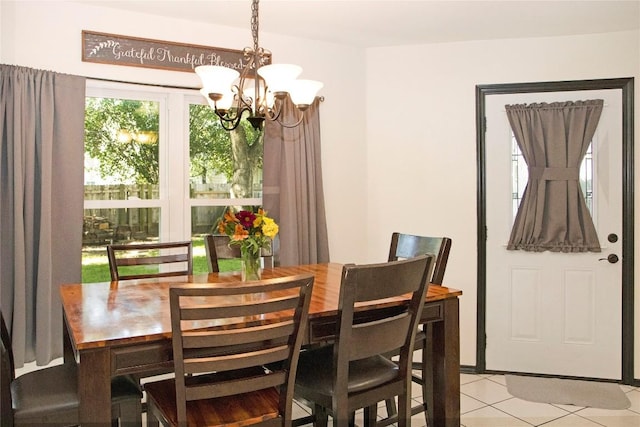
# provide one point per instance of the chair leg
(342, 421)
(427, 397)
(404, 411)
(370, 415)
(321, 416)
(131, 414)
(152, 421)
(152, 417)
(392, 409)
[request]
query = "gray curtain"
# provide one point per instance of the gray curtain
(41, 202)
(292, 187)
(554, 138)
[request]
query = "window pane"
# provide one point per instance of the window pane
(586, 178)
(223, 164)
(204, 219)
(121, 149)
(520, 175)
(122, 140)
(105, 226)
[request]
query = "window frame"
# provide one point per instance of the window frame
(174, 202)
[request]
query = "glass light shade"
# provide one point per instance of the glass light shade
(303, 92)
(217, 79)
(279, 76)
(222, 104)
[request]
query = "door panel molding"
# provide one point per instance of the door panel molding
(627, 295)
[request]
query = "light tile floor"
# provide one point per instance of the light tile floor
(485, 402)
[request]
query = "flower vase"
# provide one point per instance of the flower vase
(250, 264)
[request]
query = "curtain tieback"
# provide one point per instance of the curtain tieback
(554, 174)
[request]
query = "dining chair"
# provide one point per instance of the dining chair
(217, 248)
(354, 373)
(49, 396)
(220, 375)
(405, 246)
(149, 260)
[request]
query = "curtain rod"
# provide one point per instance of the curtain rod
(143, 84)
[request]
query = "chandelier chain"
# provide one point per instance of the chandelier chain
(254, 24)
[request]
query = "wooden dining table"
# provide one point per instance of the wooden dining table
(119, 328)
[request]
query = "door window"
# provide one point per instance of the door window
(520, 175)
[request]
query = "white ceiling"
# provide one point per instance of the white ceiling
(369, 23)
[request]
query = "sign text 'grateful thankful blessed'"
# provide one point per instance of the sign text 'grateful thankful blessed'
(138, 52)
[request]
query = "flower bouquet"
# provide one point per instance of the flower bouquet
(252, 232)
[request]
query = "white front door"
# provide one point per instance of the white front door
(554, 313)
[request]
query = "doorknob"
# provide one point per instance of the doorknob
(612, 258)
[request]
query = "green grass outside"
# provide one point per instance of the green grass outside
(95, 265)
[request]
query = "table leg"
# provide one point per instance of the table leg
(442, 368)
(94, 388)
(67, 346)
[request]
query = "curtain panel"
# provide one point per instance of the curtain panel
(41, 204)
(554, 137)
(292, 187)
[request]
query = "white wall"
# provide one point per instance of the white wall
(422, 164)
(47, 35)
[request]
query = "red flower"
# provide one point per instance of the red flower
(246, 219)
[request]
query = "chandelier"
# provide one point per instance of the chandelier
(259, 91)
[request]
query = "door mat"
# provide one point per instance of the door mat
(568, 392)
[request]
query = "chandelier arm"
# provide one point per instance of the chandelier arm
(275, 114)
(230, 123)
(291, 125)
(226, 115)
(278, 119)
(233, 123)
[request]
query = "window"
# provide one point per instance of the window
(520, 175)
(159, 167)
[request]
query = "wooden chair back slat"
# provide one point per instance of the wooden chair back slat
(245, 359)
(172, 259)
(244, 308)
(152, 260)
(246, 335)
(382, 337)
(247, 385)
(404, 246)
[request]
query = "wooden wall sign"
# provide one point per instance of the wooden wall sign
(138, 52)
